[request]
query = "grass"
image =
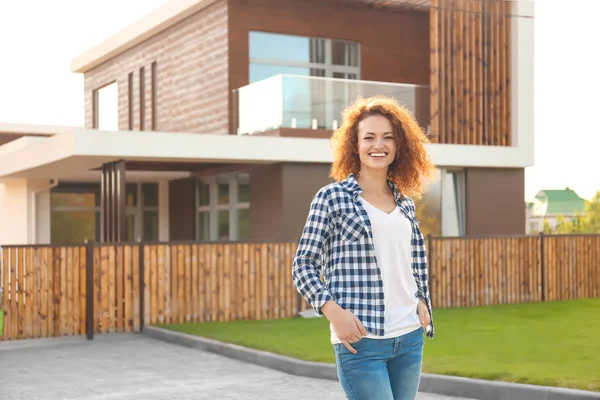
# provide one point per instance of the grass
(551, 343)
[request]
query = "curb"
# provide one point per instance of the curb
(274, 361)
(440, 384)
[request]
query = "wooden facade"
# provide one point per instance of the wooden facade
(470, 43)
(46, 290)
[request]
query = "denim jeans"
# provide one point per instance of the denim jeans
(383, 369)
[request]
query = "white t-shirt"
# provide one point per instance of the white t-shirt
(392, 237)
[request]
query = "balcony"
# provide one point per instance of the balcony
(314, 103)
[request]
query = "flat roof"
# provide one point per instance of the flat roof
(175, 11)
(141, 30)
(18, 129)
(80, 150)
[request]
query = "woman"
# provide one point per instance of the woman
(363, 238)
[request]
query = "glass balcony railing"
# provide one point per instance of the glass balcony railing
(309, 102)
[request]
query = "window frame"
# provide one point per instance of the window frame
(136, 211)
(213, 208)
(328, 65)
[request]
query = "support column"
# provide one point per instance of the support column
(112, 201)
(163, 211)
(25, 211)
(15, 212)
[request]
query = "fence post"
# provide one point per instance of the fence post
(543, 266)
(142, 288)
(89, 289)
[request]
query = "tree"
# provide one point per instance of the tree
(592, 214)
(578, 224)
(547, 229)
(589, 222)
(562, 225)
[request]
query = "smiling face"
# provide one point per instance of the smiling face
(376, 143)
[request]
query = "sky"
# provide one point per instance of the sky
(39, 39)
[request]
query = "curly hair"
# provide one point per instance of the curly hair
(411, 168)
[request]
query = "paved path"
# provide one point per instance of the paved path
(127, 366)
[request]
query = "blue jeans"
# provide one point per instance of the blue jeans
(383, 369)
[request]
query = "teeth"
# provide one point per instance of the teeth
(377, 154)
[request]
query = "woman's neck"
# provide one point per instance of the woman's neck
(373, 181)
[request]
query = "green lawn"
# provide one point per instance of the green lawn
(552, 343)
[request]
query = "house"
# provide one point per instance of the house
(548, 205)
(210, 119)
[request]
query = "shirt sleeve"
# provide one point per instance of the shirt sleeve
(306, 268)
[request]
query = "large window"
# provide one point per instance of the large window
(273, 54)
(307, 103)
(223, 207)
(75, 212)
(441, 210)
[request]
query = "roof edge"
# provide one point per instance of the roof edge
(33, 129)
(157, 21)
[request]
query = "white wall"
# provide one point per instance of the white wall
(14, 212)
(522, 90)
(24, 211)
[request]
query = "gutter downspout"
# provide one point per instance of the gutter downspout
(53, 184)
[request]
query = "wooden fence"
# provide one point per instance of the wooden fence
(45, 288)
(102, 288)
(467, 272)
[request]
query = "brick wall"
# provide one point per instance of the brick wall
(192, 76)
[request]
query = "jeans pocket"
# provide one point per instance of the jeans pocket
(342, 350)
(415, 339)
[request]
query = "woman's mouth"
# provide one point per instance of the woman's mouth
(378, 155)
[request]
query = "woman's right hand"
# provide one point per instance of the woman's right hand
(346, 325)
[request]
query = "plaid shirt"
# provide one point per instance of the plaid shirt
(337, 243)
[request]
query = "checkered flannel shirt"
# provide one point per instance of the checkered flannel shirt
(337, 244)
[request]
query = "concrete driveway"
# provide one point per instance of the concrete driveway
(128, 366)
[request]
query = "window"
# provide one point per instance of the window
(441, 209)
(106, 107)
(273, 54)
(75, 212)
(429, 207)
(141, 202)
(307, 103)
(223, 203)
(453, 202)
(533, 227)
